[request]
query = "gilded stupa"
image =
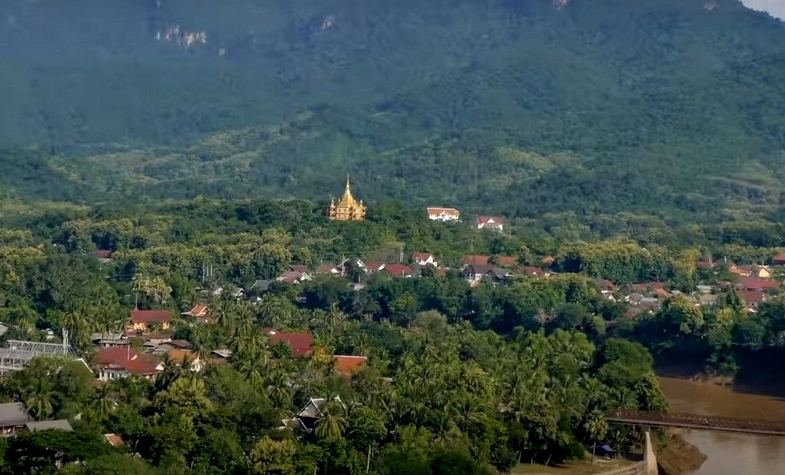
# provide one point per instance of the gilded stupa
(347, 208)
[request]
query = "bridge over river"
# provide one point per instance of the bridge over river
(696, 421)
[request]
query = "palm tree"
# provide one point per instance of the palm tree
(41, 400)
(334, 422)
(103, 402)
(597, 427)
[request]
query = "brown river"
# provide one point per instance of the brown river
(729, 453)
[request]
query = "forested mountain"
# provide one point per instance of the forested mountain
(515, 106)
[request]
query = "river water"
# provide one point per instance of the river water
(729, 453)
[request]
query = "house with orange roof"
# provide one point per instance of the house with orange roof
(148, 320)
(348, 366)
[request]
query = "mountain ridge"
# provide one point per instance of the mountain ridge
(420, 102)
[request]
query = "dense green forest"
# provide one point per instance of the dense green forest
(519, 107)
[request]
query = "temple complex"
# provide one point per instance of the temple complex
(347, 208)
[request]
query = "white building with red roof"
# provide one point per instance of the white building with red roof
(495, 223)
(443, 214)
(424, 259)
(119, 362)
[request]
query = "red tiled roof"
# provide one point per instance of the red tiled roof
(129, 359)
(150, 316)
(398, 270)
(753, 296)
(102, 253)
(476, 259)
(114, 440)
(299, 268)
(349, 365)
(300, 343)
(704, 265)
(779, 257)
(754, 283)
(507, 261)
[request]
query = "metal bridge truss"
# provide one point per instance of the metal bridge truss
(695, 421)
(18, 353)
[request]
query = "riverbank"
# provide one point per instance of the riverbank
(584, 467)
(759, 374)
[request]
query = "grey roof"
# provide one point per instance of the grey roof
(262, 285)
(13, 414)
(3, 329)
(60, 424)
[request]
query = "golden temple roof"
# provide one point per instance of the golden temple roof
(347, 200)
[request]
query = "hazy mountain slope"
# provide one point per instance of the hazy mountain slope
(527, 106)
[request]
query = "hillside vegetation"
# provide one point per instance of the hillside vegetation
(514, 106)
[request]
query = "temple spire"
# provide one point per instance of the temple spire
(347, 208)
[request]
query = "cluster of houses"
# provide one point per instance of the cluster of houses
(446, 215)
(117, 355)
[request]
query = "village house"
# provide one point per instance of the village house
(150, 320)
(108, 339)
(300, 344)
(398, 270)
(199, 312)
(741, 271)
(476, 260)
(329, 269)
(181, 357)
(493, 223)
(310, 415)
(756, 283)
(13, 417)
(753, 299)
(424, 259)
(443, 214)
(475, 273)
(348, 366)
(373, 266)
(293, 277)
(778, 260)
(115, 363)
